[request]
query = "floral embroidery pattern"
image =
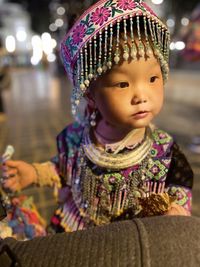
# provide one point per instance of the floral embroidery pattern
(78, 33)
(91, 22)
(183, 194)
(126, 4)
(100, 15)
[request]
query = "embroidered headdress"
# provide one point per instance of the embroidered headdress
(110, 31)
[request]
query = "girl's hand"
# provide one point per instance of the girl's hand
(176, 209)
(18, 175)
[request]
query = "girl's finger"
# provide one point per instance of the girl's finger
(177, 210)
(8, 183)
(12, 163)
(11, 172)
(14, 187)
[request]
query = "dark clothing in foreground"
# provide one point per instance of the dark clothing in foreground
(156, 241)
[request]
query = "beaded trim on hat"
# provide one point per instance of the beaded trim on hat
(89, 48)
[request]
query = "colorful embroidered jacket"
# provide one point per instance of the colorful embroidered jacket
(92, 195)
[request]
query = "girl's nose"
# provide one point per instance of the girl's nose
(139, 94)
(137, 100)
(139, 97)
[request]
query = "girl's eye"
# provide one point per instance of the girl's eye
(153, 79)
(122, 85)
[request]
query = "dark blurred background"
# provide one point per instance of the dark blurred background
(35, 92)
(42, 12)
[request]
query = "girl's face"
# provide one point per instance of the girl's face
(130, 95)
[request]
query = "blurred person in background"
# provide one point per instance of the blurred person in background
(192, 37)
(192, 54)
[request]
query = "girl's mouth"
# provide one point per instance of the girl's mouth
(140, 115)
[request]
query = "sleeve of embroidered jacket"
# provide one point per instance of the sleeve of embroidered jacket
(179, 180)
(47, 174)
(66, 154)
(51, 173)
(57, 172)
(60, 160)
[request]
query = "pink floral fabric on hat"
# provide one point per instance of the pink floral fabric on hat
(96, 18)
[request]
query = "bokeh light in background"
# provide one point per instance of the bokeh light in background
(10, 43)
(157, 2)
(21, 35)
(37, 50)
(170, 22)
(59, 22)
(61, 10)
(185, 21)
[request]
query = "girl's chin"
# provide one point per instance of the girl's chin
(126, 126)
(140, 123)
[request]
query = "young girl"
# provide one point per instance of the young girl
(113, 163)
